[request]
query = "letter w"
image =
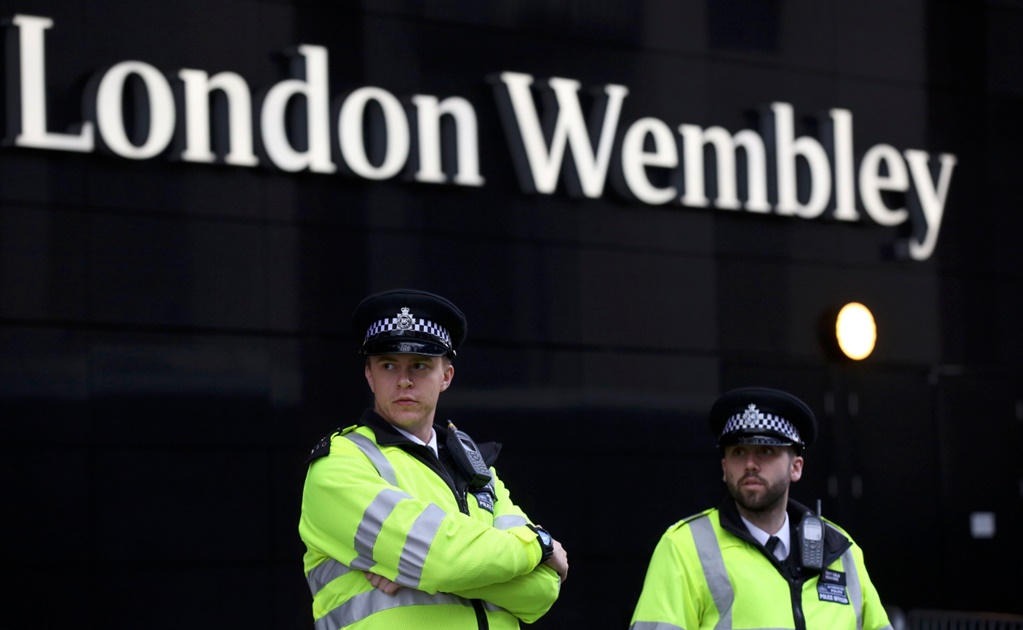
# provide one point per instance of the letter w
(539, 164)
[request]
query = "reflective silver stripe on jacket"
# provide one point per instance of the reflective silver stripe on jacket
(376, 457)
(413, 555)
(417, 545)
(508, 521)
(324, 573)
(420, 535)
(654, 625)
(714, 569)
(852, 585)
(373, 601)
(492, 607)
(371, 524)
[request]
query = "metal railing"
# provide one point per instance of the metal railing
(953, 620)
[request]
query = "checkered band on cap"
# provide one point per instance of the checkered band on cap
(752, 420)
(405, 321)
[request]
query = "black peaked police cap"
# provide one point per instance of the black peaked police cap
(407, 321)
(761, 415)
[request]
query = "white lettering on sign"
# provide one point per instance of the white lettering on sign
(311, 64)
(809, 173)
(32, 104)
(199, 87)
(353, 145)
(159, 118)
(429, 110)
(539, 166)
(131, 111)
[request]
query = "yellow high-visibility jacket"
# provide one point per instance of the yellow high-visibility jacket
(708, 571)
(376, 502)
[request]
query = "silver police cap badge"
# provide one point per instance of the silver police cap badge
(752, 416)
(405, 319)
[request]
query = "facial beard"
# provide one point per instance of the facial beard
(758, 501)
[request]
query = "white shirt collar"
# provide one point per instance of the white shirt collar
(432, 443)
(784, 537)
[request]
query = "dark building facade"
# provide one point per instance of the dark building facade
(637, 205)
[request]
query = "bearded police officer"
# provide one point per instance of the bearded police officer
(759, 560)
(406, 523)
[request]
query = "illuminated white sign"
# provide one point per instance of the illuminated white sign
(773, 171)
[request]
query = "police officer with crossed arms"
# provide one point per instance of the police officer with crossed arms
(405, 521)
(760, 559)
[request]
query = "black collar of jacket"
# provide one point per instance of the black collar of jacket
(387, 435)
(835, 543)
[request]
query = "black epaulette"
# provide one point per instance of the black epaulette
(322, 448)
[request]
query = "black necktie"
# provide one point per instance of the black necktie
(772, 542)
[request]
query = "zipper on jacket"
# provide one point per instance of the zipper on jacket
(481, 615)
(462, 497)
(796, 589)
(433, 461)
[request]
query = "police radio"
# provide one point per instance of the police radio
(811, 541)
(468, 457)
